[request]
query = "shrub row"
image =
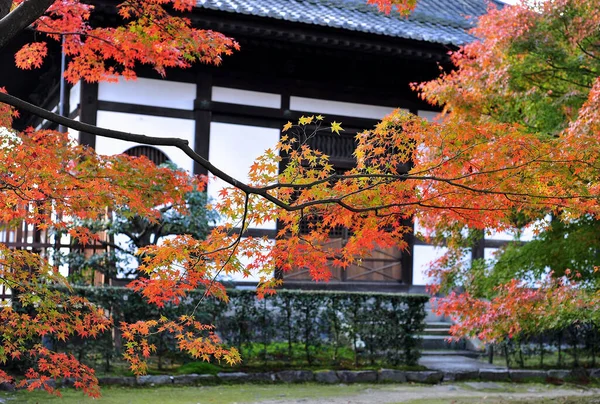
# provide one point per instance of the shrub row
(577, 345)
(297, 328)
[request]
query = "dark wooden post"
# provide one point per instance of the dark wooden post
(89, 111)
(203, 117)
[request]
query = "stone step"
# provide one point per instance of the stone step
(438, 324)
(431, 316)
(453, 352)
(435, 342)
(436, 331)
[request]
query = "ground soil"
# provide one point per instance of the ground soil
(475, 392)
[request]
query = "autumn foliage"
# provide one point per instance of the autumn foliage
(535, 72)
(55, 185)
(49, 182)
(518, 140)
(149, 35)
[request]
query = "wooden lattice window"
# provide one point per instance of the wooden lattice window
(153, 154)
(308, 222)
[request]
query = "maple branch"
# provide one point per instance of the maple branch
(586, 51)
(531, 76)
(184, 146)
(20, 18)
(181, 144)
(232, 247)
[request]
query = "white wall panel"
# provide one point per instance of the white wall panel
(74, 96)
(157, 93)
(431, 116)
(233, 149)
(245, 97)
(314, 105)
(528, 234)
(489, 254)
(74, 134)
(506, 235)
(423, 256)
(146, 125)
(417, 227)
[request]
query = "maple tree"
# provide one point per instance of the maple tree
(518, 140)
(535, 70)
(54, 185)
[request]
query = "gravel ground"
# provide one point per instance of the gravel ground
(474, 392)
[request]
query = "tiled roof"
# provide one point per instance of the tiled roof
(438, 21)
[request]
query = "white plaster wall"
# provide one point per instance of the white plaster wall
(233, 149)
(423, 256)
(126, 262)
(529, 233)
(157, 93)
(417, 226)
(245, 97)
(147, 125)
(506, 235)
(489, 254)
(421, 229)
(74, 134)
(431, 116)
(318, 106)
(74, 96)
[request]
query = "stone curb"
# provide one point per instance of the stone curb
(344, 376)
(361, 376)
(426, 376)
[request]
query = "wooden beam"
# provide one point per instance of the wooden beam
(114, 106)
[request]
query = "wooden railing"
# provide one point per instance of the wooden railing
(27, 237)
(337, 147)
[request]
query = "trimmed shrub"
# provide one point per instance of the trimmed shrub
(290, 328)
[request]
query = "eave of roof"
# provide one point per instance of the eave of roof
(435, 21)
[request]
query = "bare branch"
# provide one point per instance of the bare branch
(130, 137)
(20, 18)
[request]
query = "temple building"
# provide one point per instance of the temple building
(339, 58)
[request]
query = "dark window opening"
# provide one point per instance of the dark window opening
(154, 155)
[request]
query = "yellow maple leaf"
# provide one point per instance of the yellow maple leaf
(305, 120)
(336, 127)
(319, 117)
(287, 126)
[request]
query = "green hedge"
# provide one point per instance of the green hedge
(313, 328)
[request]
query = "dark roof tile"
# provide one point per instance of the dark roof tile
(438, 21)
